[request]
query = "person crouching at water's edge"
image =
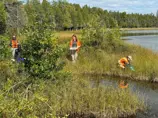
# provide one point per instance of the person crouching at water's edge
(74, 47)
(125, 61)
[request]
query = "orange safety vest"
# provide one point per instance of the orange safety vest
(122, 85)
(123, 61)
(78, 44)
(14, 43)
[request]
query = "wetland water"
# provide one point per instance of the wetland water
(146, 39)
(147, 91)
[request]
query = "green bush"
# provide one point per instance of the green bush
(4, 48)
(97, 35)
(41, 51)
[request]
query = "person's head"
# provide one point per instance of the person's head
(74, 37)
(14, 37)
(129, 58)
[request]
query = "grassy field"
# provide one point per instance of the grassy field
(63, 35)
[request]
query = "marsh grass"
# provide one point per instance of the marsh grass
(97, 61)
(66, 35)
(100, 101)
(100, 61)
(75, 97)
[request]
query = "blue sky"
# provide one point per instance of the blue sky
(129, 6)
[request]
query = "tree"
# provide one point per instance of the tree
(17, 18)
(2, 18)
(48, 11)
(67, 15)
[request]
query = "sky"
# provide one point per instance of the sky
(129, 6)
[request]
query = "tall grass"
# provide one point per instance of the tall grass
(66, 35)
(103, 59)
(72, 98)
(101, 62)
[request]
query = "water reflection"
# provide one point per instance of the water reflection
(138, 32)
(145, 91)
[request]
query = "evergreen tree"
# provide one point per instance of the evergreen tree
(67, 15)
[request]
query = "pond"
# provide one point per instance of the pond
(144, 38)
(147, 41)
(148, 92)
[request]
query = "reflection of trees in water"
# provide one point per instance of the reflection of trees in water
(139, 34)
(97, 80)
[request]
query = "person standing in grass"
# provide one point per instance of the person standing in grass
(14, 46)
(125, 61)
(74, 47)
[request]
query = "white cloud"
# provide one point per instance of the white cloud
(114, 5)
(135, 6)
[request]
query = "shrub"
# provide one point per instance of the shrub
(41, 51)
(97, 35)
(4, 48)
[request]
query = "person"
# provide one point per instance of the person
(14, 46)
(125, 61)
(74, 47)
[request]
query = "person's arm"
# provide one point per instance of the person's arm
(70, 43)
(17, 42)
(127, 64)
(78, 44)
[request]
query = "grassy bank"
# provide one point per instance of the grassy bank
(98, 61)
(74, 97)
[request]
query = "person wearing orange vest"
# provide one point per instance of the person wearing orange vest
(123, 62)
(14, 46)
(74, 47)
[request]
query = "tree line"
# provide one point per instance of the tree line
(68, 16)
(72, 16)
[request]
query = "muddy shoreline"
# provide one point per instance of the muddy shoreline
(124, 76)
